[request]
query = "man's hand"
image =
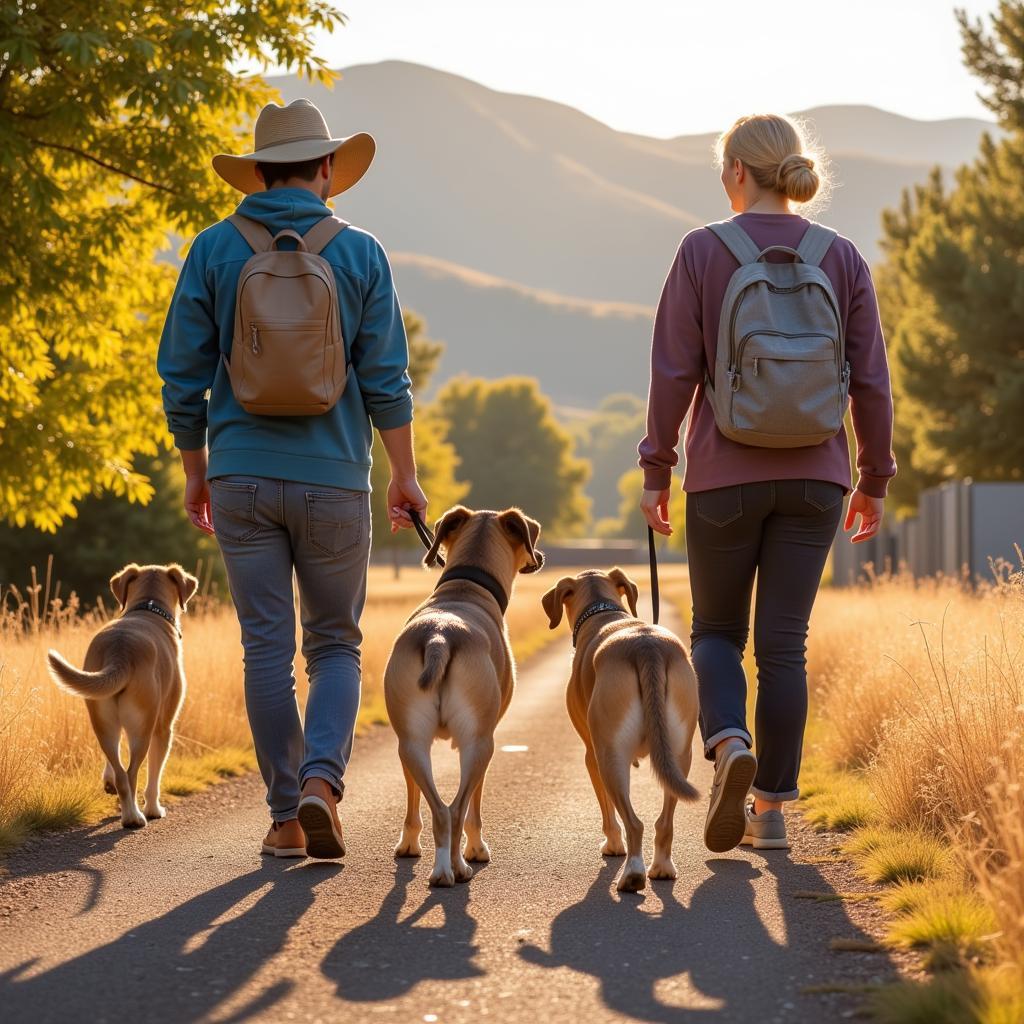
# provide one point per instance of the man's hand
(197, 503)
(870, 511)
(654, 505)
(402, 495)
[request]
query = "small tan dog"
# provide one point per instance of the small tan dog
(451, 676)
(133, 679)
(632, 692)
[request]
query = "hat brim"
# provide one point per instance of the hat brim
(352, 158)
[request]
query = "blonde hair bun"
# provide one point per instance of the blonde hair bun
(775, 150)
(796, 178)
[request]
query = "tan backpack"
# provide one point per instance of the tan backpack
(287, 352)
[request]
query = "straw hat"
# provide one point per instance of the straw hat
(291, 134)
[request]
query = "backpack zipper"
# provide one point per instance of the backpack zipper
(254, 333)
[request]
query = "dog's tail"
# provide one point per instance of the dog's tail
(437, 653)
(108, 682)
(653, 676)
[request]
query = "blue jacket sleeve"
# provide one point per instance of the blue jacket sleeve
(380, 352)
(189, 354)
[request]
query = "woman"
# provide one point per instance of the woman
(751, 511)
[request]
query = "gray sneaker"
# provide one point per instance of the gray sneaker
(734, 774)
(765, 831)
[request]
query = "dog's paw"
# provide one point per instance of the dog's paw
(442, 878)
(662, 869)
(633, 877)
(463, 872)
(155, 811)
(408, 846)
(613, 846)
(133, 818)
(479, 854)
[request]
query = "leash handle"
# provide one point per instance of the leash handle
(423, 531)
(655, 594)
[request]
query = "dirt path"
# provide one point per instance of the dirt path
(185, 922)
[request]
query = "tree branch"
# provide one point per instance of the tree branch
(81, 154)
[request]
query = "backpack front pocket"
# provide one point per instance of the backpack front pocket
(284, 362)
(787, 385)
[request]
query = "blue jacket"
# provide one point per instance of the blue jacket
(332, 449)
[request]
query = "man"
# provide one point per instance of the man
(290, 494)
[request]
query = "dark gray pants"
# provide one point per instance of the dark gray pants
(779, 531)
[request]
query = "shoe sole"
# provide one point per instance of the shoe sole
(288, 851)
(765, 844)
(727, 818)
(322, 839)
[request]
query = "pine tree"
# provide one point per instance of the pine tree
(952, 290)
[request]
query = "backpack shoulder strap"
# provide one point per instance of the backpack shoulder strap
(816, 242)
(255, 234)
(322, 232)
(736, 240)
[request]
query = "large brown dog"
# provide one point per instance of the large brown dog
(451, 676)
(632, 692)
(133, 679)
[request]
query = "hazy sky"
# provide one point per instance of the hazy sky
(667, 67)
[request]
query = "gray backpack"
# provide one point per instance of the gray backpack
(781, 375)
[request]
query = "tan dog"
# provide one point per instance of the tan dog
(451, 676)
(133, 679)
(632, 692)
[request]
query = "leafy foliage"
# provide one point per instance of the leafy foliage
(952, 291)
(608, 440)
(436, 460)
(109, 532)
(512, 451)
(109, 114)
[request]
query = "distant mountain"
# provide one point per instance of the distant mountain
(526, 232)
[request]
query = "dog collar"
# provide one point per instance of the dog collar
(157, 609)
(481, 578)
(595, 609)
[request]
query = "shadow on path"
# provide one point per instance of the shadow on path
(641, 957)
(389, 955)
(183, 965)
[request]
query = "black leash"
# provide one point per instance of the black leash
(655, 595)
(424, 533)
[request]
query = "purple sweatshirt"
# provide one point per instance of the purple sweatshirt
(685, 338)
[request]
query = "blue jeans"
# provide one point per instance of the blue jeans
(269, 530)
(779, 531)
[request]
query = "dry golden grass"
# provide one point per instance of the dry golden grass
(920, 688)
(50, 762)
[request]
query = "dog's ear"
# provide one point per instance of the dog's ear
(120, 582)
(624, 585)
(446, 528)
(554, 600)
(521, 529)
(185, 582)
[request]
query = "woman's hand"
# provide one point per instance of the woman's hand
(870, 511)
(654, 505)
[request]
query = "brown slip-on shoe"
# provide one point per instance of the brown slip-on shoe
(285, 839)
(318, 816)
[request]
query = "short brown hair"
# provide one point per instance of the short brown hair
(304, 169)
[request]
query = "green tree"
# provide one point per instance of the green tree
(630, 524)
(109, 532)
(512, 451)
(608, 440)
(109, 114)
(953, 289)
(435, 458)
